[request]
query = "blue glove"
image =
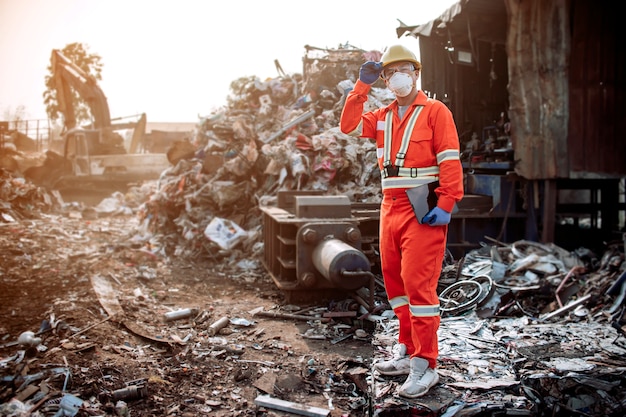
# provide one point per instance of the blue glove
(436, 217)
(370, 71)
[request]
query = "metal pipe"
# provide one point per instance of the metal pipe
(571, 272)
(333, 258)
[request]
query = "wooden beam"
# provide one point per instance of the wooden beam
(549, 210)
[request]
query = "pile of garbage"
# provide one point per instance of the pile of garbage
(273, 135)
(527, 328)
(21, 199)
(281, 134)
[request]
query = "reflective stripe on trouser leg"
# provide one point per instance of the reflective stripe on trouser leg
(391, 260)
(427, 244)
(418, 250)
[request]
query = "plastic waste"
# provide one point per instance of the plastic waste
(28, 339)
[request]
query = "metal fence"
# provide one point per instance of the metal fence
(38, 130)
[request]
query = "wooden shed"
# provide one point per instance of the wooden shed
(541, 85)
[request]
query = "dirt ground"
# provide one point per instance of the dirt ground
(86, 330)
(98, 302)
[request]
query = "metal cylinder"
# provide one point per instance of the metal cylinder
(132, 392)
(218, 325)
(179, 314)
(332, 256)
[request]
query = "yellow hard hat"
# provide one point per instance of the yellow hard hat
(396, 53)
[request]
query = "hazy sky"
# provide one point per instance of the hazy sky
(175, 60)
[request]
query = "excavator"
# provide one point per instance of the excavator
(95, 156)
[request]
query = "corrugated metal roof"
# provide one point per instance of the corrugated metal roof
(472, 19)
(590, 125)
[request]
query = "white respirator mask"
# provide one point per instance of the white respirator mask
(401, 84)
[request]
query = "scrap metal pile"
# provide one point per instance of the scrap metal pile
(282, 134)
(277, 134)
(527, 329)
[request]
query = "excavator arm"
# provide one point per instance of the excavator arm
(67, 76)
(94, 158)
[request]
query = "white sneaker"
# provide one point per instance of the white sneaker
(421, 378)
(398, 365)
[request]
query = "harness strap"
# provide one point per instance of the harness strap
(389, 169)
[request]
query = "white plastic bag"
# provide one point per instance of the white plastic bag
(225, 233)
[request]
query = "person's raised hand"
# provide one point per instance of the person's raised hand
(370, 71)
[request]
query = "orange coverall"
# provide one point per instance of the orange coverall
(411, 253)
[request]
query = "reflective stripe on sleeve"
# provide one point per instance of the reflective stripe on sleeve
(448, 155)
(358, 131)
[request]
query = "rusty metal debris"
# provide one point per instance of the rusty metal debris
(527, 328)
(541, 332)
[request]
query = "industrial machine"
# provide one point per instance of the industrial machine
(93, 156)
(70, 77)
(317, 245)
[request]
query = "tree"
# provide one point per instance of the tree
(91, 64)
(14, 115)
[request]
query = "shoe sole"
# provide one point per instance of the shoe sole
(422, 393)
(392, 373)
(404, 371)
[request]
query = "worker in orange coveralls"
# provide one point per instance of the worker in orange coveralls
(417, 143)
